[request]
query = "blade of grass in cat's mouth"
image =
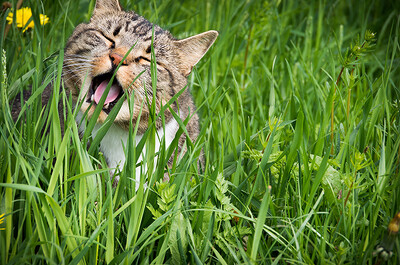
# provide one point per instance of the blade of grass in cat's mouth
(98, 87)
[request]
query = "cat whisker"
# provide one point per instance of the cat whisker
(69, 62)
(73, 71)
(67, 79)
(75, 56)
(69, 65)
(74, 67)
(77, 68)
(77, 61)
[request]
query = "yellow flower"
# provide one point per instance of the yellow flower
(1, 220)
(23, 16)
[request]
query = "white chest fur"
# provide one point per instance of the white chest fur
(115, 141)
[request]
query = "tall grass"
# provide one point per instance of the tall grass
(298, 168)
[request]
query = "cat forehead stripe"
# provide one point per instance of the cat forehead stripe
(140, 26)
(131, 22)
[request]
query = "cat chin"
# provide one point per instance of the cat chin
(102, 116)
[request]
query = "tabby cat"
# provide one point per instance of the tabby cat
(92, 55)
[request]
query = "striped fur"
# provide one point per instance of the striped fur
(94, 48)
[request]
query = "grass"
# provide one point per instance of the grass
(299, 168)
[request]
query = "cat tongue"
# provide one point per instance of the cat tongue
(112, 94)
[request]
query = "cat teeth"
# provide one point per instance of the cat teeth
(104, 107)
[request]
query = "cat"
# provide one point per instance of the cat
(96, 49)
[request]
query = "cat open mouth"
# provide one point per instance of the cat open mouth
(98, 87)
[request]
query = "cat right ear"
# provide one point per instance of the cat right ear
(192, 49)
(106, 5)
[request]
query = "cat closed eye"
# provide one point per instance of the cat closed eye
(112, 45)
(142, 59)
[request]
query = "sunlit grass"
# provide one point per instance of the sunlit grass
(298, 167)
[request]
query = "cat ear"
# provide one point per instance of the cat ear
(192, 49)
(106, 5)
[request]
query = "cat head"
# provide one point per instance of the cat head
(116, 37)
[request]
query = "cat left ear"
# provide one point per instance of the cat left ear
(106, 5)
(192, 49)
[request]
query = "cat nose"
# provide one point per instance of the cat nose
(117, 58)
